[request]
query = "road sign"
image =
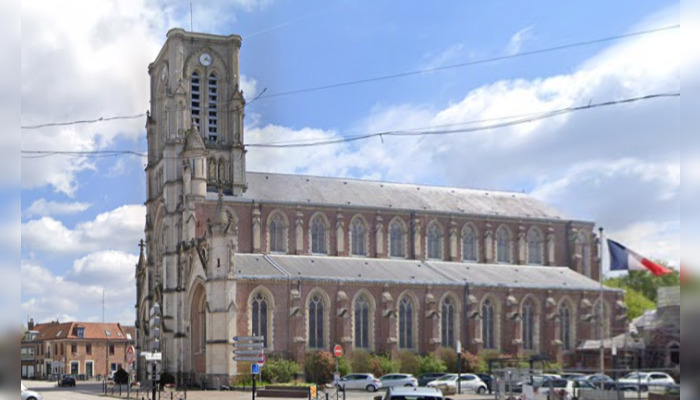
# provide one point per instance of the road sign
(152, 356)
(248, 345)
(254, 369)
(249, 338)
(130, 354)
(250, 352)
(254, 359)
(338, 350)
(262, 359)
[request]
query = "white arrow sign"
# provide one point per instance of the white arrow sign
(249, 338)
(248, 345)
(152, 356)
(256, 359)
(242, 351)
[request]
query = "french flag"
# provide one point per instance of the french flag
(624, 259)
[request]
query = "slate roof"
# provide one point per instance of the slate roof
(344, 192)
(380, 271)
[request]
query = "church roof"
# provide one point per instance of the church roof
(344, 192)
(382, 270)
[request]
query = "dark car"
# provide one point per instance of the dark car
(66, 380)
(426, 378)
(488, 380)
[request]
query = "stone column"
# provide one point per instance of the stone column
(551, 260)
(522, 245)
(417, 239)
(257, 229)
(488, 244)
(454, 242)
(343, 313)
(340, 234)
(379, 236)
(389, 318)
(299, 233)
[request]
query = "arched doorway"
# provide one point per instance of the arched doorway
(198, 332)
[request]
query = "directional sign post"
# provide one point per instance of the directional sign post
(250, 348)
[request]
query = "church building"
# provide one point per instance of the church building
(309, 262)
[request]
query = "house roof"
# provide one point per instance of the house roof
(68, 330)
(392, 271)
(623, 341)
(344, 192)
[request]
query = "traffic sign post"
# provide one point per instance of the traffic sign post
(337, 352)
(250, 348)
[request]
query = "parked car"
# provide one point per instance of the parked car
(426, 378)
(359, 381)
(66, 380)
(571, 375)
(648, 379)
(396, 393)
(467, 382)
(27, 394)
(600, 381)
(398, 380)
(562, 388)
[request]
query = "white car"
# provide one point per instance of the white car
(359, 381)
(648, 379)
(467, 382)
(398, 380)
(28, 394)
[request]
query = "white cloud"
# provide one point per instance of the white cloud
(119, 229)
(44, 208)
(516, 42)
(444, 57)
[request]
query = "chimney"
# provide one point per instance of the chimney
(30, 324)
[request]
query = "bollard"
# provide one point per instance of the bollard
(327, 397)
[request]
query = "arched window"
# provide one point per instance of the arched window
(528, 325)
(195, 98)
(447, 321)
(503, 246)
(316, 322)
(259, 317)
(488, 324)
(277, 232)
(362, 321)
(565, 326)
(469, 245)
(358, 237)
(318, 235)
(434, 242)
(212, 109)
(397, 238)
(406, 322)
(535, 251)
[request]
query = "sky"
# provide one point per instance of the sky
(81, 218)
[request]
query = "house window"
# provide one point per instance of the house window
(195, 98)
(359, 245)
(406, 322)
(535, 248)
(259, 308)
(503, 246)
(316, 322)
(212, 111)
(318, 235)
(111, 349)
(448, 323)
(469, 244)
(396, 240)
(73, 348)
(565, 326)
(80, 332)
(488, 328)
(74, 367)
(434, 242)
(528, 325)
(362, 323)
(277, 229)
(88, 348)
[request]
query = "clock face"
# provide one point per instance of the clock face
(205, 59)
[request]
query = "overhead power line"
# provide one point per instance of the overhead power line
(522, 119)
(262, 95)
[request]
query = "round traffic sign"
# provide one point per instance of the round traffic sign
(338, 350)
(130, 355)
(261, 359)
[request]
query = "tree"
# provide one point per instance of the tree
(641, 288)
(319, 367)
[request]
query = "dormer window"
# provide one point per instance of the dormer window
(80, 332)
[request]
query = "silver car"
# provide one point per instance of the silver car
(398, 380)
(29, 394)
(359, 381)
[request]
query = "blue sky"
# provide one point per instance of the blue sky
(82, 217)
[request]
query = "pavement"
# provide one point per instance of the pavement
(95, 390)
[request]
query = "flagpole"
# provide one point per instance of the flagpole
(601, 313)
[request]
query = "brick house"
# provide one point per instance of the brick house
(84, 349)
(308, 262)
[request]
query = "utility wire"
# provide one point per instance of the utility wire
(475, 62)
(399, 133)
(262, 94)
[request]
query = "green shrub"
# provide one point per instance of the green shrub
(361, 361)
(449, 358)
(319, 367)
(473, 363)
(430, 363)
(409, 362)
(383, 364)
(279, 371)
(344, 367)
